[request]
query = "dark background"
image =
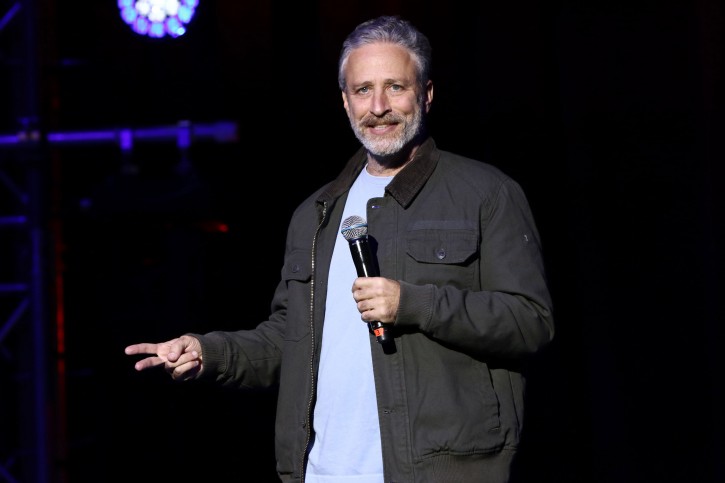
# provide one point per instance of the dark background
(609, 114)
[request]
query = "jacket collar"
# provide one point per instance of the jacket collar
(405, 185)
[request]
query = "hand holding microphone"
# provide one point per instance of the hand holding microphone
(355, 231)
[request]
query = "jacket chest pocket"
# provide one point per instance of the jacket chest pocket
(442, 257)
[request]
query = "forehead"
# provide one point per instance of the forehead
(380, 61)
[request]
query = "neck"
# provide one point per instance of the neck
(378, 166)
(392, 164)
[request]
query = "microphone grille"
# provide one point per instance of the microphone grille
(354, 227)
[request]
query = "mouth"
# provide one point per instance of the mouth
(381, 127)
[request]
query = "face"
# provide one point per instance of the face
(382, 99)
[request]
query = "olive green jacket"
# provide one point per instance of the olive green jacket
(474, 306)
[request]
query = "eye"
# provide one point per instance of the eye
(363, 90)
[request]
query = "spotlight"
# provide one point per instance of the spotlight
(158, 18)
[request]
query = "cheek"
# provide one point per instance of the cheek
(405, 106)
(355, 111)
(401, 104)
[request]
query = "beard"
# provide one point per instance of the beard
(394, 143)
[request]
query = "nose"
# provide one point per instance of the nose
(380, 103)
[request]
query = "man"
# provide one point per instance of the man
(462, 293)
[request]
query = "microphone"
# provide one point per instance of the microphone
(355, 231)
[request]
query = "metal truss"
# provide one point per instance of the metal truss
(31, 362)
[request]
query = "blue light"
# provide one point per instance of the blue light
(141, 25)
(157, 30)
(185, 14)
(157, 18)
(174, 27)
(129, 14)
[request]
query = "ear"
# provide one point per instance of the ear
(428, 95)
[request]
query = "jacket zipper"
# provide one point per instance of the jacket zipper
(312, 342)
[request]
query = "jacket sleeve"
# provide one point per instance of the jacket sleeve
(508, 314)
(246, 359)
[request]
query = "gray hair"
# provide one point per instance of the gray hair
(390, 29)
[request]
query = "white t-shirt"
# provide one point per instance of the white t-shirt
(347, 446)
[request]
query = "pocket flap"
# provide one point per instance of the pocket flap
(442, 246)
(297, 266)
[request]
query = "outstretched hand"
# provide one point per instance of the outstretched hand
(181, 357)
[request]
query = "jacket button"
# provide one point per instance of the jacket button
(296, 268)
(441, 253)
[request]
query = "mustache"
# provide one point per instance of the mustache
(389, 118)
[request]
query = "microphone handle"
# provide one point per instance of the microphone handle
(366, 267)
